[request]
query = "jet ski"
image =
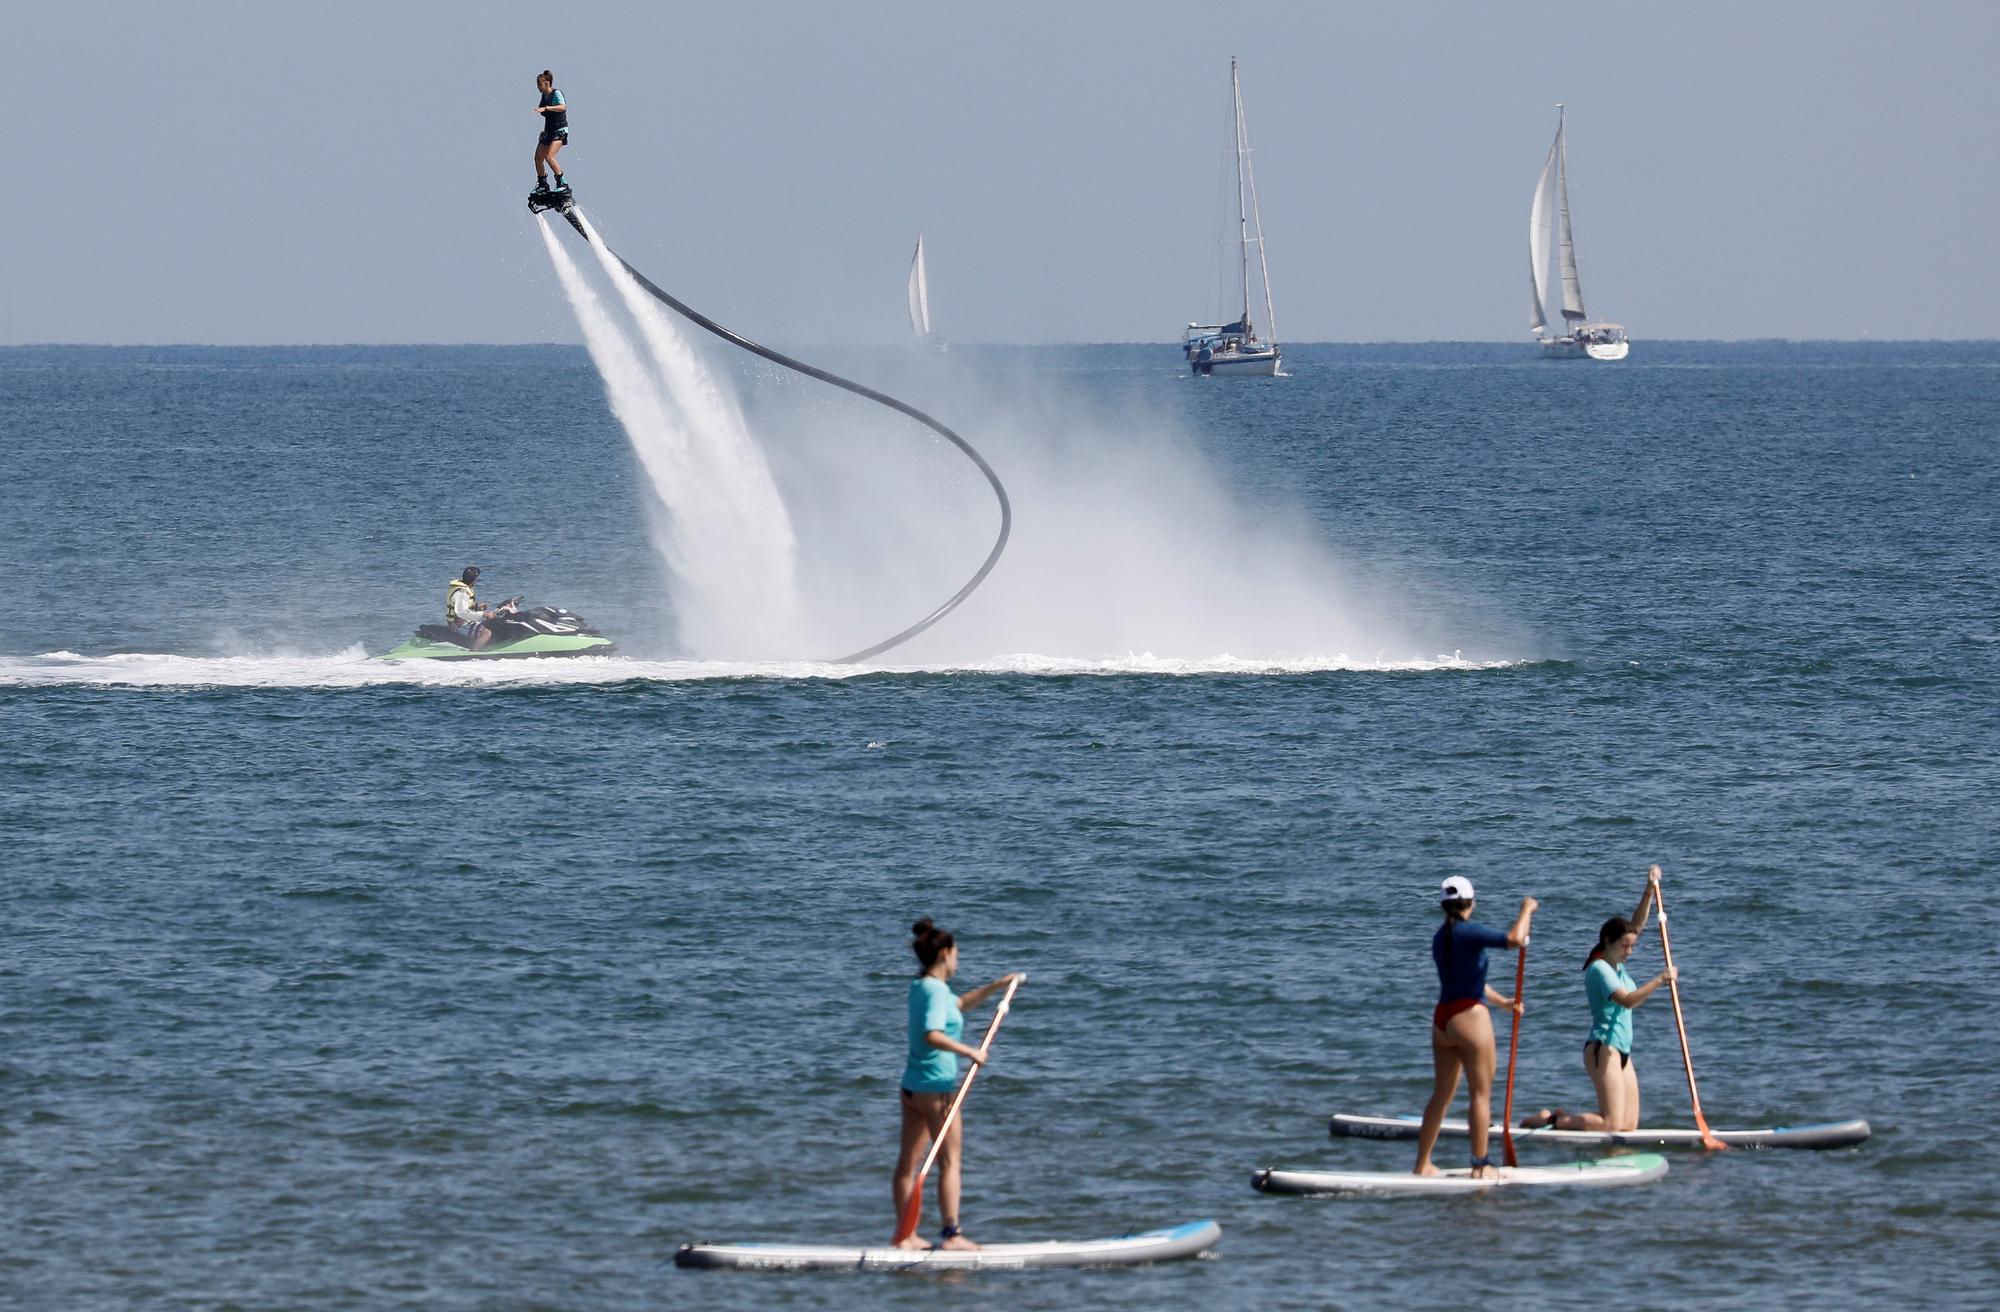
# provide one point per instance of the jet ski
(542, 631)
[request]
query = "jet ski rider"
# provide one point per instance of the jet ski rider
(555, 133)
(464, 616)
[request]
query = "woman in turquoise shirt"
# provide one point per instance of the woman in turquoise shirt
(930, 1076)
(1607, 1053)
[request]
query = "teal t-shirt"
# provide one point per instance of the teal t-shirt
(1609, 1022)
(932, 1007)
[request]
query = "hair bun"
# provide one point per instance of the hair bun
(923, 928)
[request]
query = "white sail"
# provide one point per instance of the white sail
(1538, 240)
(1572, 289)
(920, 294)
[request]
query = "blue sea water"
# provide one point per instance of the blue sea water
(335, 987)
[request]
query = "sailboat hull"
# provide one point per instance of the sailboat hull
(1591, 343)
(1242, 366)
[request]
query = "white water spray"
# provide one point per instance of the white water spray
(725, 535)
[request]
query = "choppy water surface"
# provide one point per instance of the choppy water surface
(338, 986)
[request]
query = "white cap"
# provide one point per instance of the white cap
(1456, 889)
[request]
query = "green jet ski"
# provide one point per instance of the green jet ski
(543, 631)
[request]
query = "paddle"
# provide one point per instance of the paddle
(913, 1211)
(1513, 1051)
(1708, 1139)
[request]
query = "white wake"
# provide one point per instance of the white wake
(352, 668)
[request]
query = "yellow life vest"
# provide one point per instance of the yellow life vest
(451, 596)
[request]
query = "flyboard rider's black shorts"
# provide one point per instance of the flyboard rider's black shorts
(554, 134)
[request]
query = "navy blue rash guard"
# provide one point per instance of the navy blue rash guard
(558, 121)
(1459, 949)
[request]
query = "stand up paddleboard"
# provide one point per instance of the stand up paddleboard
(1125, 1250)
(1831, 1134)
(1603, 1173)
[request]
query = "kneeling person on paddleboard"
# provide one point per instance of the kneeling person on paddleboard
(1461, 1029)
(1607, 1053)
(930, 1078)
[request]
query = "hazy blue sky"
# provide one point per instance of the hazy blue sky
(355, 172)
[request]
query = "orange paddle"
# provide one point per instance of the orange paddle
(1708, 1139)
(1513, 1051)
(913, 1211)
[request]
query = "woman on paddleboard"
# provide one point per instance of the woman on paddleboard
(930, 1076)
(1607, 1053)
(1461, 1029)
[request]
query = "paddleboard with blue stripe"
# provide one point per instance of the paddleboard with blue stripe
(1602, 1173)
(1123, 1250)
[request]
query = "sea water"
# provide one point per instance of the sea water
(333, 984)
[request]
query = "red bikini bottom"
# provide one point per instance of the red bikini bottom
(1446, 1010)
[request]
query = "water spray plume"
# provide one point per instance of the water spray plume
(726, 536)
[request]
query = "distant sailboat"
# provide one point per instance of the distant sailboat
(920, 300)
(1579, 337)
(1224, 349)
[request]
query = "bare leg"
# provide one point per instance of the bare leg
(1602, 1063)
(1630, 1072)
(915, 1143)
(554, 149)
(949, 1180)
(1594, 1121)
(1471, 1032)
(542, 161)
(1444, 1087)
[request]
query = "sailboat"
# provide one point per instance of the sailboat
(1579, 337)
(920, 301)
(1223, 349)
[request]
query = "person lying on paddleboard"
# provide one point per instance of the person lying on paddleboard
(1607, 1053)
(930, 1076)
(1461, 1029)
(554, 112)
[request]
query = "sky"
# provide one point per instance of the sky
(356, 172)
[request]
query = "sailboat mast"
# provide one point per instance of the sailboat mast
(1572, 285)
(1242, 218)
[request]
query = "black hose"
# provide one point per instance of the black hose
(696, 317)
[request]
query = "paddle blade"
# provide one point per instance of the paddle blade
(913, 1212)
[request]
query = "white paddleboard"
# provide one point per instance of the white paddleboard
(1830, 1134)
(1125, 1250)
(1602, 1173)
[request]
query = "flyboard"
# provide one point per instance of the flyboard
(1602, 1173)
(1125, 1250)
(564, 203)
(1830, 1134)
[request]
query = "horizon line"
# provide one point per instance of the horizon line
(1164, 344)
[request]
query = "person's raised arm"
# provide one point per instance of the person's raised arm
(968, 1001)
(1517, 933)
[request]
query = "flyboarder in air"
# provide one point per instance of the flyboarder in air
(555, 134)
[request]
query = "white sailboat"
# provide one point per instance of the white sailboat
(1579, 337)
(1225, 349)
(920, 300)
